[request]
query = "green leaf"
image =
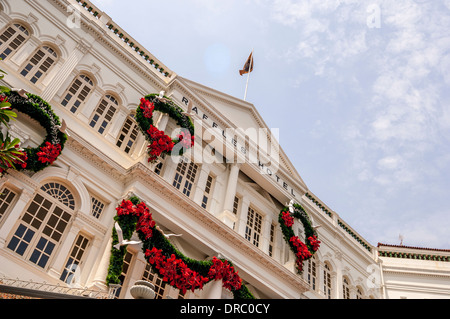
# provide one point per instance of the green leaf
(4, 89)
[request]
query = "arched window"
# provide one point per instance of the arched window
(104, 113)
(327, 281)
(39, 64)
(345, 288)
(61, 193)
(311, 275)
(77, 93)
(128, 135)
(185, 176)
(42, 226)
(12, 38)
(359, 294)
(74, 260)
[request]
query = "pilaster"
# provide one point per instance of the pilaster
(65, 70)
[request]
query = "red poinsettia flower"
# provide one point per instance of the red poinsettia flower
(49, 153)
(125, 208)
(302, 252)
(145, 223)
(160, 143)
(186, 140)
(288, 219)
(315, 243)
(222, 270)
(147, 108)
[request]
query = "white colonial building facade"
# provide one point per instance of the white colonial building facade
(223, 197)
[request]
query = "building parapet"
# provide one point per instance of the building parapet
(124, 37)
(406, 252)
(321, 206)
(327, 211)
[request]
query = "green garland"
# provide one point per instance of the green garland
(168, 107)
(39, 110)
(303, 251)
(128, 225)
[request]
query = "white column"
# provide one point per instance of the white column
(201, 184)
(102, 270)
(90, 261)
(25, 52)
(213, 290)
(65, 71)
(231, 187)
(242, 218)
(135, 273)
(14, 215)
(89, 107)
(162, 122)
(338, 294)
(116, 124)
(267, 222)
(65, 249)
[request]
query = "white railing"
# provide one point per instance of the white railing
(44, 289)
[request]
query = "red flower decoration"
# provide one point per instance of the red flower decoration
(147, 108)
(288, 219)
(223, 270)
(302, 252)
(186, 140)
(160, 143)
(125, 208)
(145, 223)
(174, 271)
(49, 153)
(315, 243)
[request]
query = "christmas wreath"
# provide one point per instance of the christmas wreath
(166, 261)
(36, 159)
(303, 251)
(159, 142)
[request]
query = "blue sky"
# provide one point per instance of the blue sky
(358, 90)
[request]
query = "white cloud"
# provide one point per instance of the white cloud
(390, 162)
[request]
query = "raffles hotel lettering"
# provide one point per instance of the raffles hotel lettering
(265, 155)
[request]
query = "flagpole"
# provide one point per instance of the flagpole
(248, 77)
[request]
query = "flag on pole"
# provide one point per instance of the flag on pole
(248, 67)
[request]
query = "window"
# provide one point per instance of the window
(185, 176)
(61, 193)
(11, 39)
(327, 281)
(77, 93)
(74, 260)
(160, 286)
(159, 166)
(104, 113)
(311, 276)
(208, 191)
(40, 229)
(345, 289)
(253, 229)
(271, 239)
(6, 198)
(125, 267)
(97, 207)
(359, 293)
(236, 205)
(39, 64)
(128, 135)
